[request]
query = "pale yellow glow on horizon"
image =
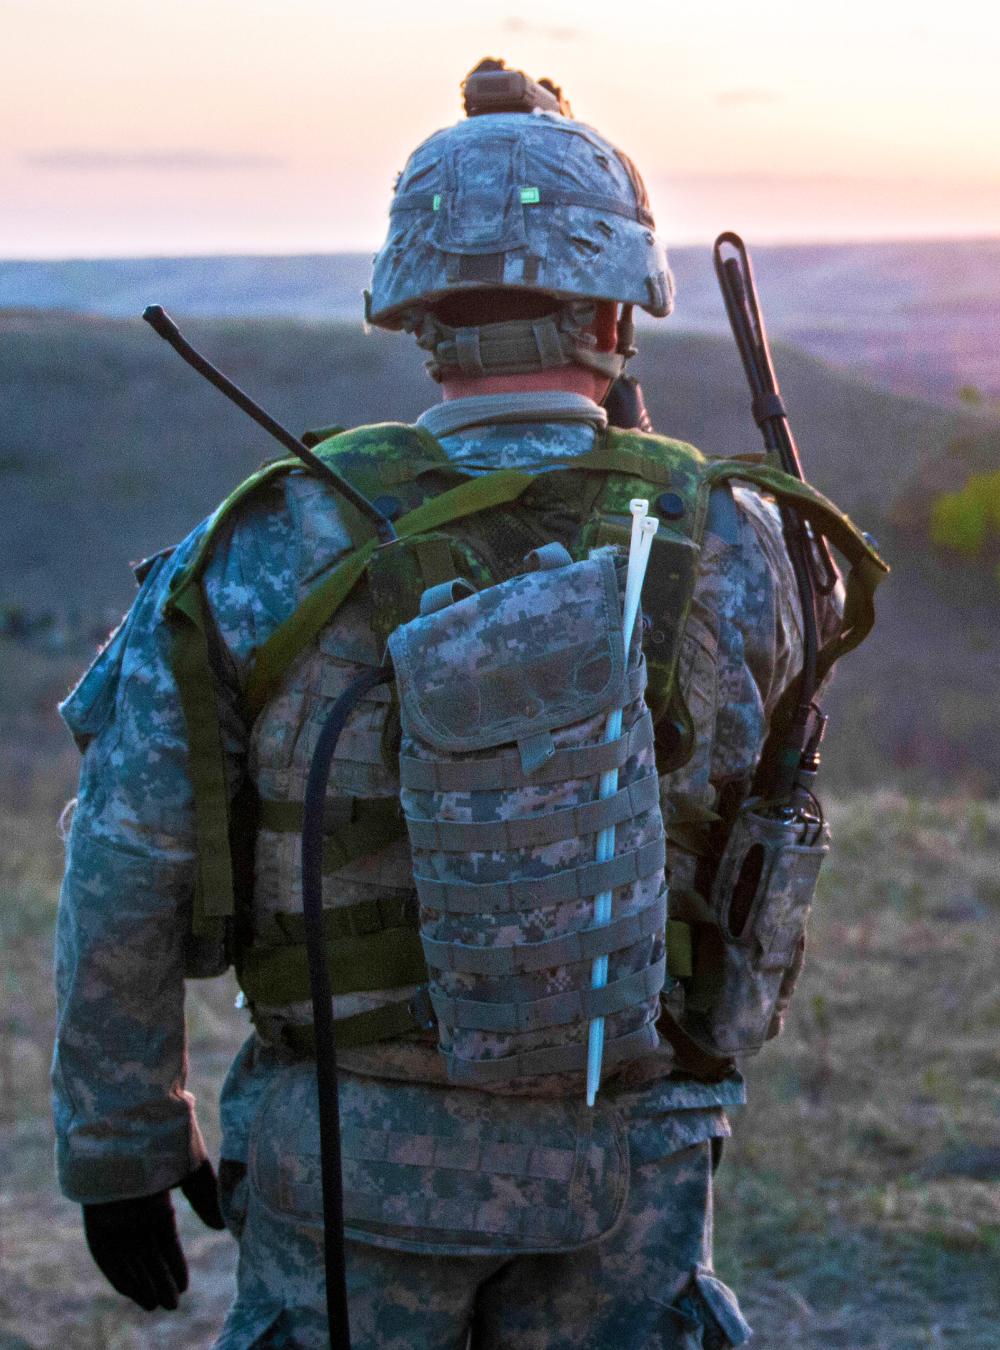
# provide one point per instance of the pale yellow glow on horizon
(879, 119)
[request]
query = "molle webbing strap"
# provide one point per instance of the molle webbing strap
(555, 1059)
(355, 920)
(572, 1005)
(492, 1156)
(490, 836)
(379, 1024)
(617, 455)
(356, 827)
(504, 772)
(298, 632)
(501, 962)
(389, 959)
(574, 883)
(629, 454)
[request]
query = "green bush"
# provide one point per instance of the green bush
(968, 521)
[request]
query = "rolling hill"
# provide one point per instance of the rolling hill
(111, 448)
(919, 317)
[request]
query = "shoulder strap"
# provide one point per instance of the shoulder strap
(191, 658)
(867, 570)
(867, 567)
(298, 631)
(368, 453)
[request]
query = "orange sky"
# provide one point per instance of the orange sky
(181, 126)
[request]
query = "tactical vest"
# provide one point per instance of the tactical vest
(450, 524)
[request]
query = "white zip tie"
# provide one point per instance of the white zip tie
(644, 528)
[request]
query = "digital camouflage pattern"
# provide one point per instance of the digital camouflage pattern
(647, 1283)
(125, 1124)
(764, 931)
(504, 844)
(541, 203)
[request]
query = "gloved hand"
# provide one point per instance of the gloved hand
(625, 406)
(135, 1243)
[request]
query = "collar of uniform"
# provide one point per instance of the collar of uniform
(444, 419)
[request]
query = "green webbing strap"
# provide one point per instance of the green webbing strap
(631, 463)
(867, 567)
(355, 920)
(283, 646)
(356, 826)
(477, 494)
(213, 897)
(680, 954)
(197, 688)
(389, 959)
(297, 632)
(380, 1024)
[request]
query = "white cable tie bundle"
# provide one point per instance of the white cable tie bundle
(644, 527)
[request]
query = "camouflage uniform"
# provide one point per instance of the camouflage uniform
(125, 1124)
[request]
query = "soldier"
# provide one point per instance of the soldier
(519, 243)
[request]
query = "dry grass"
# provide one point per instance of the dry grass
(858, 1204)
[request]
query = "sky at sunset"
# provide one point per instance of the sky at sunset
(276, 126)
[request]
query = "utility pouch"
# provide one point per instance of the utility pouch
(748, 961)
(438, 1172)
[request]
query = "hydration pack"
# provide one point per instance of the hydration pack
(505, 697)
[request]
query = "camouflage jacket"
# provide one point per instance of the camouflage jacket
(125, 1123)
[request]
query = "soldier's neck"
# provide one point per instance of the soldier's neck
(567, 379)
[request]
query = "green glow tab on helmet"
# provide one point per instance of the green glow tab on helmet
(530, 196)
(436, 202)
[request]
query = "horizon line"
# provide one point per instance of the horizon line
(861, 241)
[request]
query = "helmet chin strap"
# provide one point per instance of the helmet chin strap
(521, 346)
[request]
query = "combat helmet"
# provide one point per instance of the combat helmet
(519, 197)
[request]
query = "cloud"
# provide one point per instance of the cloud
(158, 161)
(735, 98)
(558, 33)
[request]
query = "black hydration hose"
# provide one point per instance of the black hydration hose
(322, 1002)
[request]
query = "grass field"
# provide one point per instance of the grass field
(858, 1204)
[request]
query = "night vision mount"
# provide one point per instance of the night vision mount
(492, 88)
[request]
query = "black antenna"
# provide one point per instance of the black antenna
(743, 308)
(739, 291)
(161, 322)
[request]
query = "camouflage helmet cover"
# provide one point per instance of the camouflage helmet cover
(530, 201)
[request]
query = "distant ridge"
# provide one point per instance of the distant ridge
(918, 317)
(110, 448)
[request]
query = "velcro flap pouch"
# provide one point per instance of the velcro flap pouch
(527, 656)
(762, 895)
(452, 1173)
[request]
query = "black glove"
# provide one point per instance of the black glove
(135, 1243)
(625, 405)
